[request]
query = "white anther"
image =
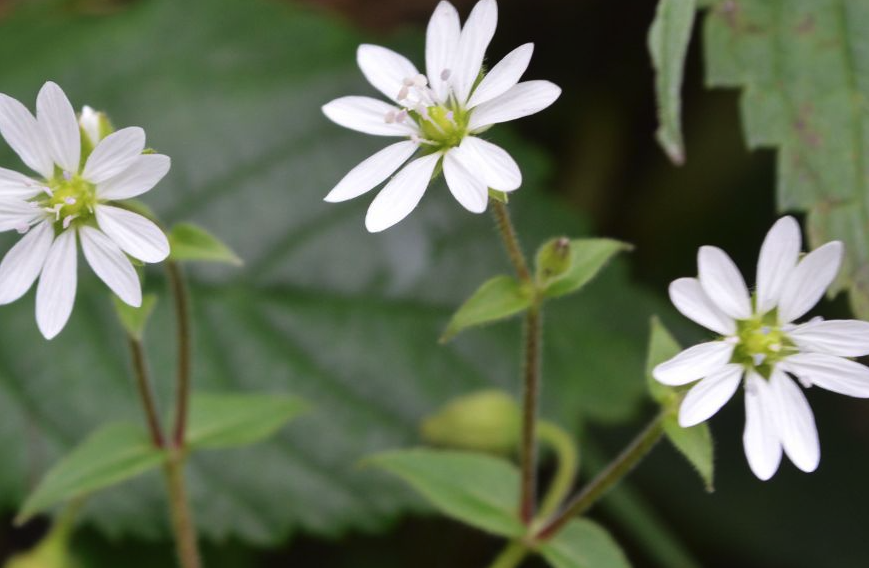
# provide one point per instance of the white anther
(408, 81)
(67, 176)
(401, 116)
(22, 227)
(47, 190)
(775, 347)
(68, 220)
(69, 200)
(445, 75)
(402, 94)
(422, 111)
(758, 359)
(420, 81)
(390, 117)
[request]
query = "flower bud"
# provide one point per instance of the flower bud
(553, 259)
(94, 127)
(487, 421)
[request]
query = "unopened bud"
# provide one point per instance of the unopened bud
(487, 421)
(553, 259)
(94, 127)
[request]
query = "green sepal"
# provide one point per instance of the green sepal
(497, 299)
(133, 319)
(485, 421)
(499, 196)
(587, 258)
(582, 543)
(553, 259)
(189, 242)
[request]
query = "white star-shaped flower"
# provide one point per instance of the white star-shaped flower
(761, 344)
(440, 115)
(70, 200)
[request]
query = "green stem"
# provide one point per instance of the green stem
(511, 556)
(182, 315)
(528, 453)
(182, 517)
(143, 383)
(511, 242)
(567, 467)
(606, 479)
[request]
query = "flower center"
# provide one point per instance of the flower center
(761, 344)
(441, 125)
(69, 197)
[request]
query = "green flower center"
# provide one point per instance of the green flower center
(443, 127)
(71, 198)
(762, 343)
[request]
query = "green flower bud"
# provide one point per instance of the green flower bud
(487, 421)
(553, 260)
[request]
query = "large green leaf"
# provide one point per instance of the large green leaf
(584, 544)
(803, 66)
(346, 320)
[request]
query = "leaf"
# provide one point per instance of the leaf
(344, 319)
(475, 489)
(133, 319)
(587, 259)
(236, 419)
(583, 544)
(804, 71)
(111, 455)
(694, 443)
(497, 299)
(190, 242)
(668, 45)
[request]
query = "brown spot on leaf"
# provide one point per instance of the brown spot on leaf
(808, 135)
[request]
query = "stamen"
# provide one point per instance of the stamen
(47, 190)
(422, 110)
(775, 347)
(445, 75)
(67, 176)
(758, 359)
(67, 220)
(70, 200)
(22, 227)
(390, 117)
(401, 116)
(420, 81)
(402, 94)
(451, 116)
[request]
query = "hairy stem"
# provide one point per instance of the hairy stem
(530, 403)
(606, 479)
(511, 556)
(146, 394)
(567, 466)
(182, 316)
(511, 242)
(182, 518)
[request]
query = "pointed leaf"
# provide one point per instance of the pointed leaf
(133, 319)
(190, 242)
(475, 489)
(497, 299)
(583, 544)
(236, 419)
(587, 258)
(112, 454)
(662, 346)
(695, 443)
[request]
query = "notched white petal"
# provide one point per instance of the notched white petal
(845, 338)
(709, 395)
(111, 265)
(367, 115)
(441, 45)
(760, 438)
(134, 234)
(475, 37)
(496, 167)
(385, 69)
(372, 172)
(114, 154)
(778, 258)
(521, 100)
(692, 302)
(55, 293)
(502, 76)
(829, 372)
(142, 175)
(57, 118)
(25, 135)
(809, 280)
(723, 283)
(401, 195)
(467, 188)
(24, 261)
(795, 422)
(694, 363)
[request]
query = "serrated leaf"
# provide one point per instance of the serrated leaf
(111, 455)
(587, 259)
(189, 242)
(238, 419)
(476, 489)
(583, 544)
(804, 71)
(497, 299)
(662, 346)
(133, 319)
(668, 45)
(695, 443)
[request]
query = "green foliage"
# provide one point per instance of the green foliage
(485, 421)
(804, 70)
(190, 242)
(587, 259)
(133, 319)
(497, 299)
(237, 419)
(112, 454)
(694, 443)
(583, 544)
(668, 45)
(475, 489)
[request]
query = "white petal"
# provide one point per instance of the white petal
(401, 195)
(694, 363)
(55, 294)
(57, 118)
(809, 280)
(778, 257)
(476, 35)
(845, 338)
(111, 265)
(441, 44)
(723, 283)
(142, 175)
(372, 171)
(795, 422)
(467, 188)
(503, 76)
(21, 130)
(16, 212)
(520, 100)
(385, 69)
(24, 261)
(17, 186)
(367, 115)
(760, 438)
(136, 235)
(114, 154)
(829, 372)
(693, 303)
(709, 395)
(497, 168)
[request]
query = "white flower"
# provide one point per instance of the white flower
(440, 115)
(69, 200)
(761, 345)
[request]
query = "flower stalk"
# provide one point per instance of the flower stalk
(182, 517)
(182, 315)
(511, 556)
(146, 394)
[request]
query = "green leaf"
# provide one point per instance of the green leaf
(475, 489)
(804, 71)
(587, 259)
(236, 419)
(583, 544)
(111, 455)
(133, 319)
(694, 443)
(668, 45)
(191, 242)
(497, 299)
